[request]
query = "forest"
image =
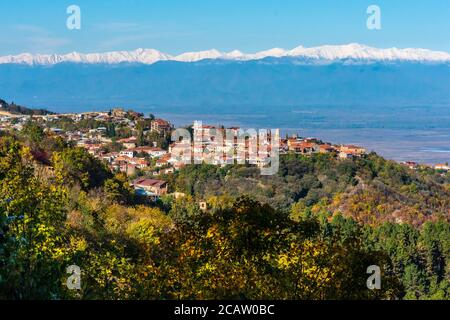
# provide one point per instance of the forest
(309, 232)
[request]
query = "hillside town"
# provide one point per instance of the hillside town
(141, 147)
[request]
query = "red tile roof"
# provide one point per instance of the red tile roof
(149, 182)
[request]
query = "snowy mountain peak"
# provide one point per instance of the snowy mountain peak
(275, 52)
(235, 54)
(353, 51)
(199, 55)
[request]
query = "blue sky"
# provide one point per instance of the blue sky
(175, 26)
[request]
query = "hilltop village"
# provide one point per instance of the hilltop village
(141, 147)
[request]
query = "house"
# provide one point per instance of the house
(292, 140)
(444, 167)
(410, 164)
(303, 147)
(93, 148)
(128, 153)
(122, 158)
(312, 140)
(109, 157)
(326, 148)
(179, 152)
(284, 147)
(139, 162)
(160, 126)
(153, 152)
(128, 143)
(118, 113)
(151, 187)
(164, 161)
(346, 155)
(127, 168)
(355, 150)
(156, 152)
(99, 131)
(351, 151)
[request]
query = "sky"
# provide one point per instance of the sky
(176, 26)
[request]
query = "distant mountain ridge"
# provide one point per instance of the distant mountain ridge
(331, 53)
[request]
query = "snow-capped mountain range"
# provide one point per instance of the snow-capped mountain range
(323, 53)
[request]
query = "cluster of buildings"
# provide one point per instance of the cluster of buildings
(127, 157)
(308, 146)
(209, 144)
(415, 166)
(221, 146)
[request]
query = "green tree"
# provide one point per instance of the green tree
(32, 214)
(76, 166)
(119, 190)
